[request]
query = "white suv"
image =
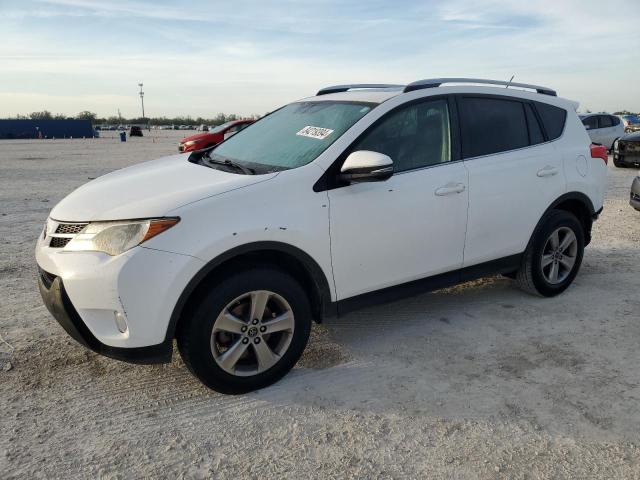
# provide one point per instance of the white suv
(603, 128)
(360, 194)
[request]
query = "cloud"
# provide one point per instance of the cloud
(250, 56)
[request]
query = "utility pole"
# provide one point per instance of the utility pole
(142, 100)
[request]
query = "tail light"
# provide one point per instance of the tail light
(599, 151)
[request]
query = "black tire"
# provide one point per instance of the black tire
(618, 163)
(530, 276)
(194, 332)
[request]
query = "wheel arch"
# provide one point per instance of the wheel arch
(280, 255)
(576, 203)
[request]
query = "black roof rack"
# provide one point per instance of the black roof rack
(344, 88)
(436, 82)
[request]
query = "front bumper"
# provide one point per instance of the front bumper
(634, 201)
(57, 302)
(627, 153)
(88, 292)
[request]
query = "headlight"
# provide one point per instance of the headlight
(615, 145)
(114, 238)
(190, 142)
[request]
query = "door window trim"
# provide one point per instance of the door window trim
(329, 179)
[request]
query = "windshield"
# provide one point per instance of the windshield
(292, 136)
(219, 128)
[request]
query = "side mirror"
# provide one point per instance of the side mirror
(366, 166)
(587, 127)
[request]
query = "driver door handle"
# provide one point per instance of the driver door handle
(547, 171)
(449, 189)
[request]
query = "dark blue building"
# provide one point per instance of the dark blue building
(10, 129)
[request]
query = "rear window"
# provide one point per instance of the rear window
(553, 119)
(491, 125)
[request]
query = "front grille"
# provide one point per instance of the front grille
(46, 277)
(59, 242)
(629, 148)
(70, 228)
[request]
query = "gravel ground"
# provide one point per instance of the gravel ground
(478, 381)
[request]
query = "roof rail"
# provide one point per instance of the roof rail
(436, 82)
(344, 88)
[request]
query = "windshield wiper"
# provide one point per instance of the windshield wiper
(228, 163)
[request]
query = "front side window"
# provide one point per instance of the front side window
(413, 137)
(590, 122)
(491, 125)
(291, 136)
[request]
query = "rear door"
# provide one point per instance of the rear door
(514, 174)
(606, 130)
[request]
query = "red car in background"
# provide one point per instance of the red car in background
(214, 136)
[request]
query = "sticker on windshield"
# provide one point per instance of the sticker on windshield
(315, 132)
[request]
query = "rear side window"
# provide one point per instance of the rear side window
(491, 125)
(535, 133)
(615, 120)
(605, 121)
(553, 119)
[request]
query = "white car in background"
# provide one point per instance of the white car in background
(357, 195)
(603, 128)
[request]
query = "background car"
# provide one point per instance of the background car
(626, 151)
(603, 128)
(635, 194)
(631, 123)
(135, 131)
(214, 136)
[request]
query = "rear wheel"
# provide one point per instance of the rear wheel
(247, 332)
(554, 256)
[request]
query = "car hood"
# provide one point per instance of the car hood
(198, 136)
(631, 137)
(150, 189)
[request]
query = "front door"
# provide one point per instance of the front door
(408, 227)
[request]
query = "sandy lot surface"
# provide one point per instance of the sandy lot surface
(479, 381)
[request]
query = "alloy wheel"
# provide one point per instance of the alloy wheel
(252, 333)
(559, 255)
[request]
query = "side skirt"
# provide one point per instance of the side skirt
(428, 284)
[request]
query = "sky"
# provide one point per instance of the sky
(201, 57)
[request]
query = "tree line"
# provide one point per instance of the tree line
(113, 120)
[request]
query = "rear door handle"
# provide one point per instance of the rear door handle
(547, 171)
(449, 189)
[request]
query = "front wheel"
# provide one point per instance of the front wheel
(247, 331)
(618, 163)
(554, 256)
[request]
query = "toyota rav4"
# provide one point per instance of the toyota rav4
(359, 194)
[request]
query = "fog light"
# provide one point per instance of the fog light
(121, 321)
